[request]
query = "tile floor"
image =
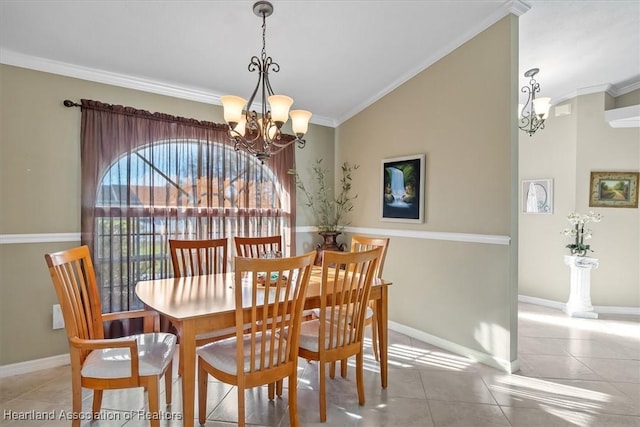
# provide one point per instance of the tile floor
(574, 372)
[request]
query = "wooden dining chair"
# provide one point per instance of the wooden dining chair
(269, 295)
(98, 363)
(253, 247)
(338, 332)
(365, 243)
(198, 257)
(195, 258)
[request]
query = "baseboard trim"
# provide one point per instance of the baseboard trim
(477, 356)
(600, 309)
(34, 365)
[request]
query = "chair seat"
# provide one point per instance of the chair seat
(155, 352)
(367, 315)
(216, 334)
(309, 335)
(222, 354)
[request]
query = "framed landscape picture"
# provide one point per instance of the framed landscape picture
(614, 189)
(537, 196)
(402, 195)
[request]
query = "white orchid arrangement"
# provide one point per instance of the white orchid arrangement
(579, 232)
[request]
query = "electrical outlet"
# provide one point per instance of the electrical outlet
(58, 320)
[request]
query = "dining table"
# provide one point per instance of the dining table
(200, 304)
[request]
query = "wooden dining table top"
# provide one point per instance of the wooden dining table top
(197, 296)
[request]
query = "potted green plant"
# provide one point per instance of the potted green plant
(329, 212)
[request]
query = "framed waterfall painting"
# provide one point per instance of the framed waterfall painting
(402, 188)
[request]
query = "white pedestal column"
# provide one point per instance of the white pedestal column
(579, 304)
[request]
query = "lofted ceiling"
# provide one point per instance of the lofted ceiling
(336, 57)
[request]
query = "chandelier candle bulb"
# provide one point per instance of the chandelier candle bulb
(541, 107)
(300, 122)
(233, 106)
(280, 105)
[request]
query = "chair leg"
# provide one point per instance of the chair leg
(241, 422)
(374, 336)
(360, 377)
(203, 378)
(323, 397)
(97, 401)
(343, 368)
(271, 387)
(332, 370)
(152, 387)
(76, 395)
(168, 382)
(293, 399)
(279, 387)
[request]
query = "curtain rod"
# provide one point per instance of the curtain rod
(132, 111)
(69, 103)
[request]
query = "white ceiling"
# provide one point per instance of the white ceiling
(336, 57)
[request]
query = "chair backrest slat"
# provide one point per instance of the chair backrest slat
(75, 283)
(364, 243)
(346, 286)
(253, 247)
(198, 257)
(274, 290)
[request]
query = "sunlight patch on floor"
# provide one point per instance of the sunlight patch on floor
(573, 404)
(577, 418)
(551, 387)
(602, 326)
(400, 355)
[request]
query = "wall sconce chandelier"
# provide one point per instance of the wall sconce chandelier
(259, 134)
(534, 112)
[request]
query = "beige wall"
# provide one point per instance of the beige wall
(567, 150)
(627, 100)
(461, 292)
(40, 190)
(457, 291)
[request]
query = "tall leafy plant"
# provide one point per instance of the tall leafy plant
(330, 212)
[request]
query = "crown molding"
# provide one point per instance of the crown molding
(608, 88)
(515, 6)
(16, 59)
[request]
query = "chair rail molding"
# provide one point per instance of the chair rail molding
(493, 239)
(8, 239)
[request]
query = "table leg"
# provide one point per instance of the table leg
(188, 359)
(382, 317)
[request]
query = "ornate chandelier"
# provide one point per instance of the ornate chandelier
(260, 134)
(535, 111)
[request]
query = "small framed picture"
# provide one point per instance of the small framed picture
(537, 196)
(614, 190)
(402, 195)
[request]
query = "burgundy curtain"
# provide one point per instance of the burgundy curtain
(147, 177)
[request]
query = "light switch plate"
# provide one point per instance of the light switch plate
(58, 320)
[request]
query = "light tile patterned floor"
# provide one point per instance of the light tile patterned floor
(574, 372)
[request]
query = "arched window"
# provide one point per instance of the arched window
(187, 186)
